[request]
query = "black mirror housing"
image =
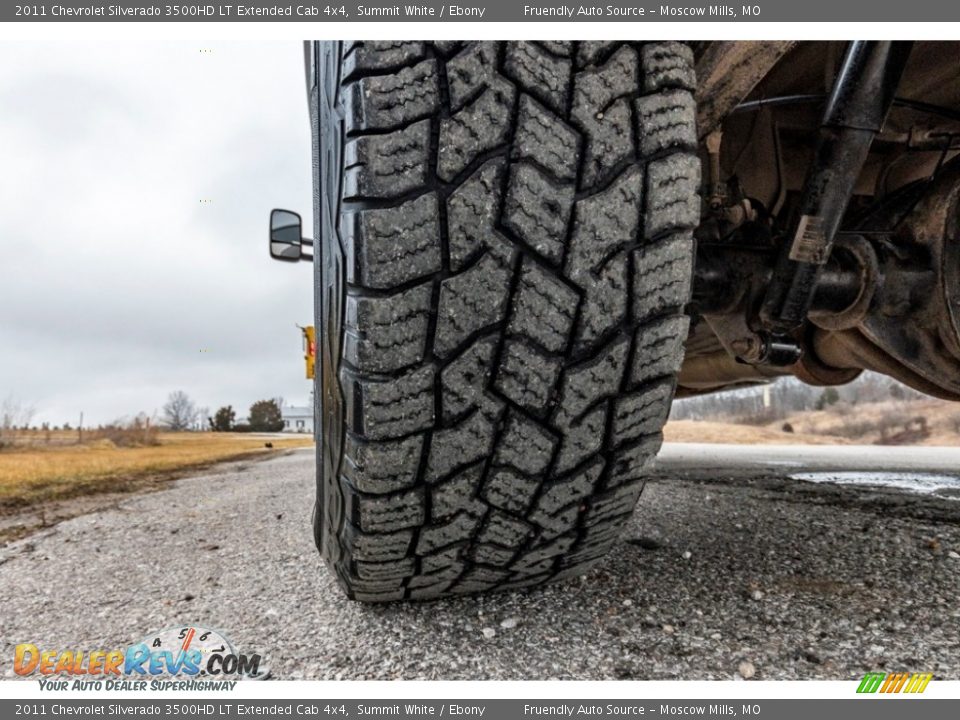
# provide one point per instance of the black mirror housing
(286, 237)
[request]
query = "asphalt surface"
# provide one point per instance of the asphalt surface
(728, 569)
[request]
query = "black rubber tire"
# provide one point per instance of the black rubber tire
(506, 256)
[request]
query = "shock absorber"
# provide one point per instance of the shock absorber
(858, 104)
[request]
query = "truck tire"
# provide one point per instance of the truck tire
(505, 259)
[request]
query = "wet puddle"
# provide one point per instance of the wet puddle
(941, 485)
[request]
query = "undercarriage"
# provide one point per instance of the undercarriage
(829, 240)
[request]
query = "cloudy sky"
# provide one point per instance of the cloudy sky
(135, 185)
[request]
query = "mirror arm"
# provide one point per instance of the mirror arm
(306, 243)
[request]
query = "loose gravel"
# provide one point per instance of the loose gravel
(720, 575)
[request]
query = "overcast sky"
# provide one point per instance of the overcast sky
(117, 284)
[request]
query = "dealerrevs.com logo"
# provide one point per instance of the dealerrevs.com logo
(183, 658)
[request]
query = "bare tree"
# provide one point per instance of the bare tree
(179, 412)
(13, 415)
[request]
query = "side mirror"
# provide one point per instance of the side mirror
(286, 237)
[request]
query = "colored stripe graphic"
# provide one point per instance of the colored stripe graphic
(894, 682)
(920, 682)
(870, 683)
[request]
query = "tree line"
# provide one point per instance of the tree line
(181, 413)
(265, 416)
(763, 404)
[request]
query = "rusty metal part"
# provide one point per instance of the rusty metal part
(706, 370)
(704, 373)
(741, 343)
(950, 286)
(856, 255)
(735, 215)
(852, 350)
(888, 301)
(730, 279)
(937, 225)
(710, 366)
(724, 350)
(727, 72)
(717, 191)
(889, 297)
(911, 329)
(812, 370)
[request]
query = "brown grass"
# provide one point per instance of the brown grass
(840, 424)
(704, 431)
(866, 423)
(37, 473)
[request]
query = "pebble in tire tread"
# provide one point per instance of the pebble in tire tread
(510, 241)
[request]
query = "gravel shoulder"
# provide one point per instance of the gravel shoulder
(736, 571)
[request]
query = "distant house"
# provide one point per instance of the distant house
(203, 420)
(297, 419)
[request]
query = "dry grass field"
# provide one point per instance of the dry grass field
(726, 433)
(34, 470)
(869, 423)
(883, 423)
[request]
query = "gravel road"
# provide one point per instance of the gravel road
(737, 571)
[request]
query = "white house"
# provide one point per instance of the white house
(297, 419)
